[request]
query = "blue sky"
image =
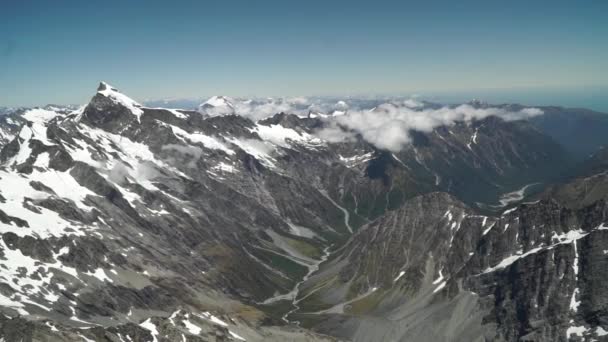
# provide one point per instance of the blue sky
(57, 51)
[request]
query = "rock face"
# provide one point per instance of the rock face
(151, 224)
(534, 273)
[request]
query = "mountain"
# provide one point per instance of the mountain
(580, 131)
(217, 105)
(125, 222)
(436, 270)
(10, 124)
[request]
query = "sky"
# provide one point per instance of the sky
(58, 51)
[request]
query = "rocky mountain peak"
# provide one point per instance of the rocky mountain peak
(103, 86)
(111, 110)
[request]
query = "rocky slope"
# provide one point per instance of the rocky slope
(536, 272)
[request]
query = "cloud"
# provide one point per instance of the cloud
(256, 110)
(383, 122)
(191, 154)
(261, 108)
(388, 125)
(121, 173)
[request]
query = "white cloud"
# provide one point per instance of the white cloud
(388, 125)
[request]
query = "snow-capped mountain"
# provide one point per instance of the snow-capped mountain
(217, 105)
(125, 222)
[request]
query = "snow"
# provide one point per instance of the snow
(236, 336)
(207, 141)
(438, 288)
(511, 259)
(175, 112)
(508, 211)
(574, 330)
(438, 280)
(135, 159)
(193, 329)
(217, 101)
(448, 214)
(218, 321)
(217, 106)
(399, 276)
(121, 99)
(15, 188)
(400, 161)
(100, 274)
(223, 167)
(16, 305)
(37, 131)
(574, 304)
(569, 237)
(213, 319)
(53, 328)
(473, 139)
(259, 149)
(39, 115)
(148, 325)
(281, 136)
(42, 160)
(599, 331)
(356, 159)
(85, 338)
(29, 278)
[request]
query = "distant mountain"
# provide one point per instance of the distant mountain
(186, 104)
(580, 131)
(218, 105)
(252, 219)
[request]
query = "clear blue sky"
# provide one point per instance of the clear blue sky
(57, 51)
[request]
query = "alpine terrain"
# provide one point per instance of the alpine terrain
(291, 219)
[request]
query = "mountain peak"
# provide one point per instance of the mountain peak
(108, 91)
(217, 105)
(109, 107)
(103, 86)
(219, 101)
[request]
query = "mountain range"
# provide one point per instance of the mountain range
(295, 220)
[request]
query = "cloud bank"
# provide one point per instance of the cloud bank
(383, 122)
(388, 125)
(257, 109)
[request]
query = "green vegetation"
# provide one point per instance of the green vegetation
(286, 266)
(395, 199)
(365, 304)
(304, 247)
(278, 309)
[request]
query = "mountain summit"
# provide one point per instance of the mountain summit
(217, 105)
(111, 110)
